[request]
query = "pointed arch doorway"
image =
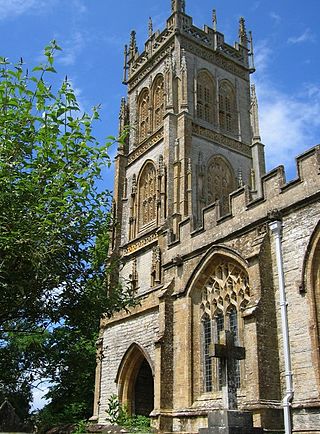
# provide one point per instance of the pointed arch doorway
(135, 382)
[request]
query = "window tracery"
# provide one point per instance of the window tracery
(205, 97)
(227, 107)
(314, 280)
(147, 196)
(143, 114)
(158, 102)
(220, 182)
(225, 293)
(207, 339)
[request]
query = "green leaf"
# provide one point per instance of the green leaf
(54, 235)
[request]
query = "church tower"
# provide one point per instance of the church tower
(194, 135)
(191, 232)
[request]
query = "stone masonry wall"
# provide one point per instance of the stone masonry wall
(298, 228)
(142, 330)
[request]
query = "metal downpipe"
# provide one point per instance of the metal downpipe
(276, 227)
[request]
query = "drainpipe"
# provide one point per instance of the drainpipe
(275, 227)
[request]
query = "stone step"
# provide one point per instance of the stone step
(230, 422)
(231, 430)
(230, 418)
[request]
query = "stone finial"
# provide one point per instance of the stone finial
(122, 112)
(183, 65)
(150, 27)
(254, 115)
(251, 52)
(122, 116)
(178, 6)
(243, 39)
(125, 64)
(133, 44)
(214, 20)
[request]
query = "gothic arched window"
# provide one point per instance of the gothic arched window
(207, 359)
(225, 293)
(147, 196)
(205, 97)
(312, 282)
(220, 182)
(234, 329)
(143, 114)
(316, 284)
(158, 102)
(227, 107)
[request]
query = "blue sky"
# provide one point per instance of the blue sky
(92, 34)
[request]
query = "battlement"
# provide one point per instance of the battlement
(245, 212)
(180, 24)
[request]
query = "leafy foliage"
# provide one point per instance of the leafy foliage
(114, 410)
(117, 414)
(54, 236)
(81, 427)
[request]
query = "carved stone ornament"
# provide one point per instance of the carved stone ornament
(215, 137)
(216, 58)
(147, 67)
(139, 244)
(227, 286)
(147, 195)
(145, 146)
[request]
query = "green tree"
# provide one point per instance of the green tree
(54, 234)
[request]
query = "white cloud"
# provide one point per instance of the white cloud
(289, 123)
(262, 56)
(12, 8)
(313, 90)
(306, 36)
(276, 18)
(255, 5)
(72, 49)
(79, 5)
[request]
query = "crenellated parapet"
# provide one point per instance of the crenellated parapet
(180, 25)
(246, 212)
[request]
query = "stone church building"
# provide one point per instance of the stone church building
(223, 258)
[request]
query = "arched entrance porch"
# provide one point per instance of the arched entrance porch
(135, 382)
